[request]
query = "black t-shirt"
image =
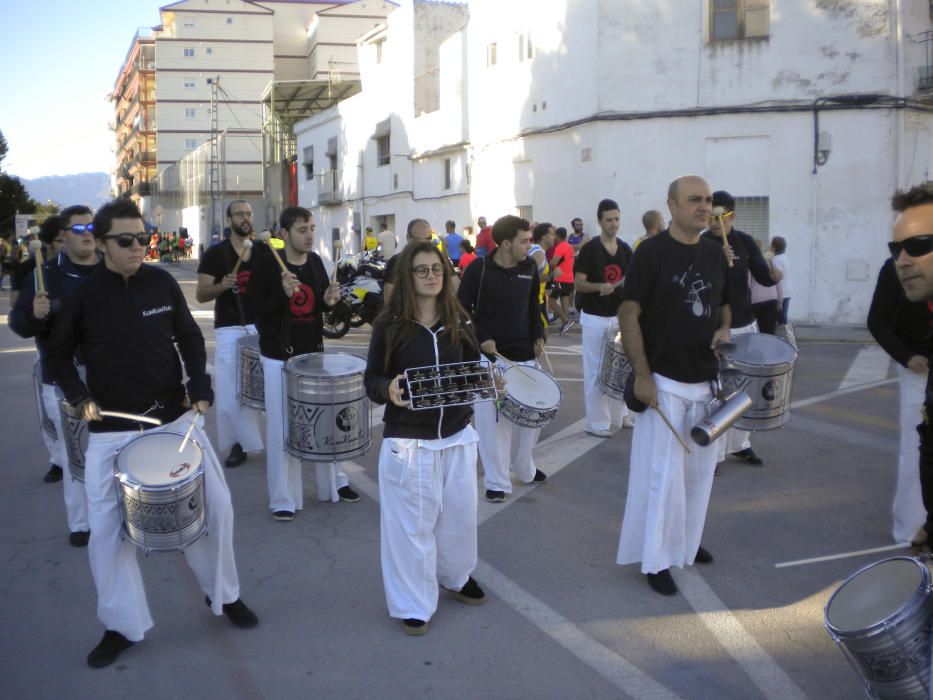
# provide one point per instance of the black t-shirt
(747, 259)
(680, 289)
(594, 261)
(19, 271)
(217, 262)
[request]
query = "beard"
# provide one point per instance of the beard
(243, 229)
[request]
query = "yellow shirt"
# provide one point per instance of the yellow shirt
(371, 242)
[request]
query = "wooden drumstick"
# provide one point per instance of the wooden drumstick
(719, 212)
(266, 237)
(668, 424)
(547, 359)
(184, 440)
(131, 416)
(247, 244)
(521, 368)
(36, 248)
(337, 246)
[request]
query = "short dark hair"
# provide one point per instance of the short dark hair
(575, 220)
(383, 226)
(914, 197)
(450, 225)
(413, 223)
(723, 199)
(66, 214)
(778, 244)
(604, 206)
(235, 201)
(116, 209)
(507, 227)
(466, 246)
(290, 215)
(541, 230)
(650, 217)
(562, 233)
(50, 229)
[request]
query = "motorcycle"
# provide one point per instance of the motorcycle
(361, 299)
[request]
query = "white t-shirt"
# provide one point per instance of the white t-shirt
(388, 243)
(780, 262)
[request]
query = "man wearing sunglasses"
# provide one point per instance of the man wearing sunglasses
(125, 320)
(911, 248)
(237, 426)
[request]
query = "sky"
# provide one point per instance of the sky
(59, 60)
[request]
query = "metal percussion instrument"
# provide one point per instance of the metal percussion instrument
(250, 385)
(786, 332)
(74, 430)
(880, 618)
(531, 397)
(453, 384)
(762, 366)
(614, 367)
(327, 411)
(160, 491)
(45, 421)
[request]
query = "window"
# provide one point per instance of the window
(739, 19)
(189, 52)
(524, 211)
(191, 144)
(190, 113)
(382, 148)
(187, 22)
(308, 161)
(209, 50)
(491, 54)
(189, 82)
(752, 216)
(229, 20)
(525, 49)
(447, 173)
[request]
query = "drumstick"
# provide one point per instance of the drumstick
(513, 364)
(337, 246)
(266, 237)
(247, 244)
(719, 212)
(131, 416)
(184, 440)
(676, 434)
(36, 248)
(547, 359)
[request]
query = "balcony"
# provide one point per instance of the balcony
(143, 189)
(328, 187)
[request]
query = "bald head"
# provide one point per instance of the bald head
(690, 201)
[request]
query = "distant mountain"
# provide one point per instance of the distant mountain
(92, 189)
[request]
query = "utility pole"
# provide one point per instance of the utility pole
(214, 165)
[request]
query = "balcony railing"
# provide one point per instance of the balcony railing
(328, 187)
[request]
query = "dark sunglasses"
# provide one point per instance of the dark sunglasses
(125, 240)
(915, 246)
(80, 229)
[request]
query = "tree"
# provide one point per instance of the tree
(13, 199)
(3, 147)
(50, 208)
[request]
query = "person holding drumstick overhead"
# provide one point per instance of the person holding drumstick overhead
(427, 464)
(501, 292)
(286, 296)
(675, 311)
(125, 319)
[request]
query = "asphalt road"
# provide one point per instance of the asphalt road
(562, 620)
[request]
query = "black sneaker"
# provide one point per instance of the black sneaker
(471, 593)
(285, 516)
(703, 556)
(495, 496)
(79, 539)
(238, 614)
(53, 474)
(662, 582)
(236, 457)
(749, 457)
(348, 495)
(414, 627)
(540, 477)
(109, 648)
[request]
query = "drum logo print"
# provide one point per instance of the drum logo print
(179, 469)
(347, 419)
(612, 274)
(302, 303)
(771, 390)
(242, 282)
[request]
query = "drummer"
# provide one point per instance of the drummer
(427, 464)
(125, 319)
(501, 293)
(35, 313)
(599, 270)
(287, 307)
(237, 426)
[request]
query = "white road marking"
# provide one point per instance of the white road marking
(31, 348)
(872, 364)
(841, 392)
(844, 555)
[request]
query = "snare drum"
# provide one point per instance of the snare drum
(250, 385)
(45, 421)
(531, 397)
(327, 411)
(614, 366)
(766, 365)
(160, 491)
(74, 431)
(880, 618)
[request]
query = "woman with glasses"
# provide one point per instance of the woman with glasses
(427, 465)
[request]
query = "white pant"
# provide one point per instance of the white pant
(121, 597)
(428, 522)
(602, 411)
(909, 514)
(283, 470)
(668, 489)
(75, 498)
(235, 423)
(735, 440)
(504, 445)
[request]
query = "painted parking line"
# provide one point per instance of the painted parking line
(872, 364)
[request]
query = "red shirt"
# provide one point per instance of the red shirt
(564, 251)
(466, 259)
(485, 240)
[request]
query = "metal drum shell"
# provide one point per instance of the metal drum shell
(892, 654)
(250, 384)
(525, 415)
(327, 412)
(75, 437)
(768, 384)
(614, 366)
(149, 519)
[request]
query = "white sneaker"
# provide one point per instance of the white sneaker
(600, 433)
(628, 421)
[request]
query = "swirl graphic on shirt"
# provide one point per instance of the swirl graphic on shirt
(242, 282)
(302, 304)
(612, 274)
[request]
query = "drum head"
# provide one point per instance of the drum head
(763, 350)
(153, 459)
(326, 364)
(874, 594)
(532, 387)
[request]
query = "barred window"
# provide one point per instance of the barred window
(752, 216)
(730, 20)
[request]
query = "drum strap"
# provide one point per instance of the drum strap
(228, 252)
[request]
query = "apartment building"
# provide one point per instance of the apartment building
(134, 123)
